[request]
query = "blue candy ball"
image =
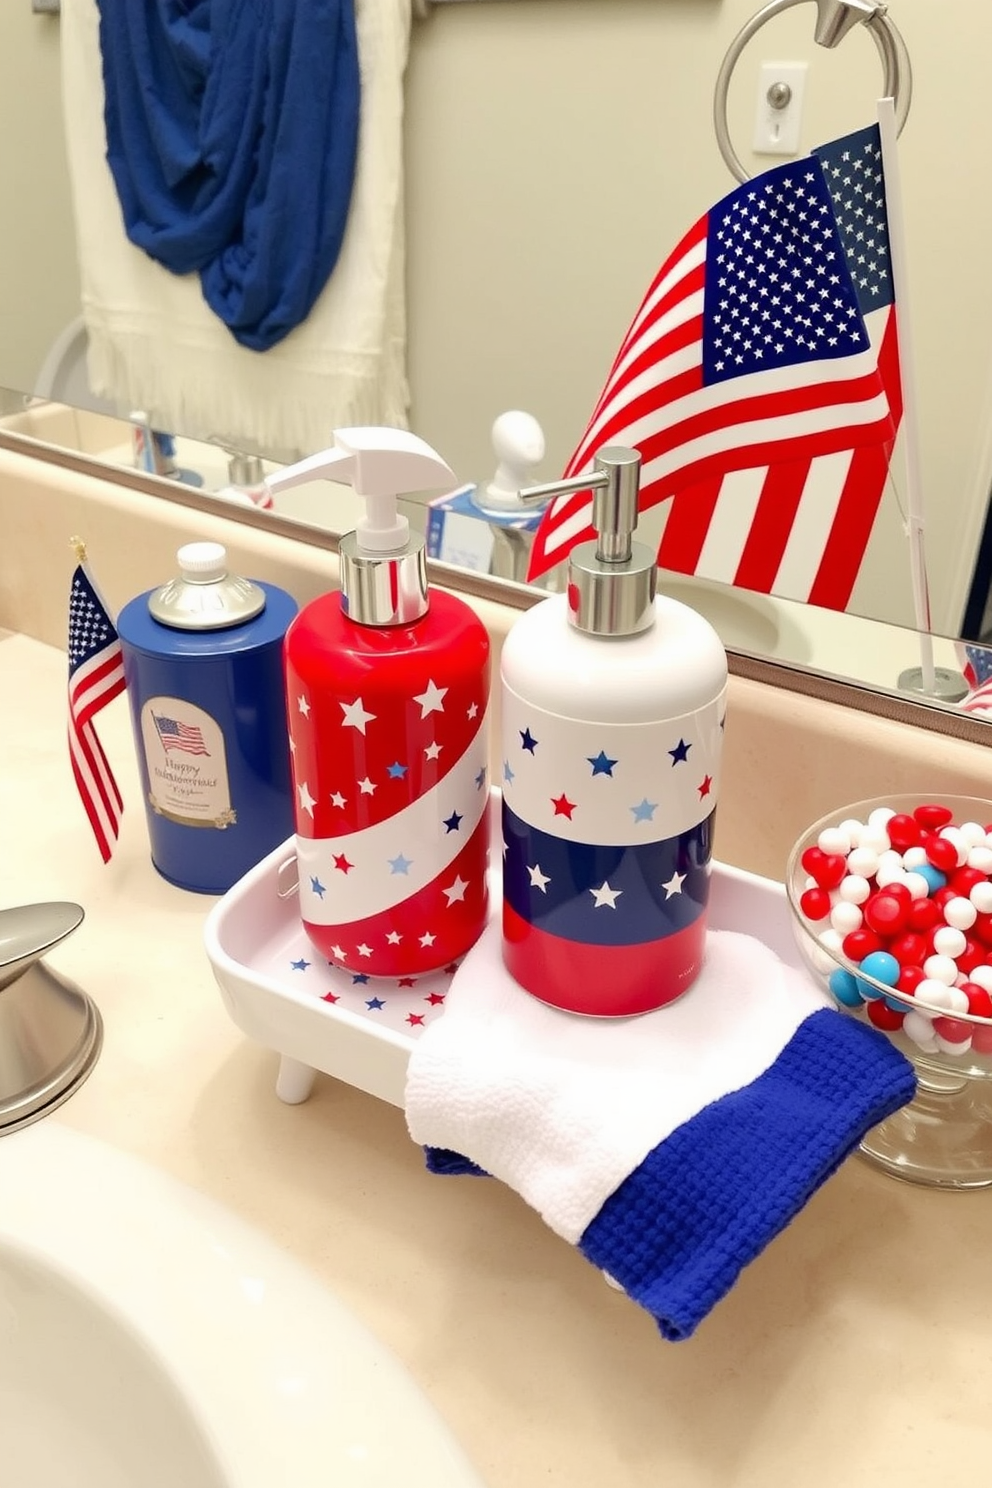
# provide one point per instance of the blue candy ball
(881, 966)
(845, 988)
(935, 879)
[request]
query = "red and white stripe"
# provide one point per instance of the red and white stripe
(91, 687)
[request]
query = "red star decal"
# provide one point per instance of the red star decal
(704, 789)
(340, 861)
(407, 981)
(563, 806)
(434, 998)
(331, 997)
(415, 1017)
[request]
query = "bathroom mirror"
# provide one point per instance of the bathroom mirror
(555, 152)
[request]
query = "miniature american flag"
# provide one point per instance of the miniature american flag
(185, 737)
(96, 677)
(760, 382)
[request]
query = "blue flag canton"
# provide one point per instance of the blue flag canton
(856, 182)
(778, 288)
(90, 627)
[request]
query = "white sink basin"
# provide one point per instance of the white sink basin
(150, 1339)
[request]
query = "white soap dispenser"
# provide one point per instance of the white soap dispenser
(387, 689)
(613, 704)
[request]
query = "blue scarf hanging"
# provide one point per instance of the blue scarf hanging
(232, 132)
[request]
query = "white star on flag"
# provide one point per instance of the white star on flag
(303, 705)
(307, 802)
(538, 880)
(605, 896)
(674, 885)
(431, 700)
(455, 891)
(355, 715)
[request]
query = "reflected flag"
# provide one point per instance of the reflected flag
(760, 382)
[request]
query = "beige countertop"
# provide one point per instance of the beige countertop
(856, 1350)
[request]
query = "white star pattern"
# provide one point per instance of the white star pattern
(307, 802)
(427, 939)
(538, 880)
(431, 700)
(605, 897)
(473, 709)
(455, 891)
(674, 885)
(339, 953)
(393, 938)
(355, 715)
(338, 799)
(366, 787)
(364, 950)
(303, 705)
(433, 750)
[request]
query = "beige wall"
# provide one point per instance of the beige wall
(556, 151)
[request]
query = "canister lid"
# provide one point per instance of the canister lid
(205, 596)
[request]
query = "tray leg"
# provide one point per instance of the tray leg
(294, 1081)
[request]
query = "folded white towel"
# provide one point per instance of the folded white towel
(154, 343)
(669, 1147)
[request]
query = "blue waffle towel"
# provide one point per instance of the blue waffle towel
(232, 131)
(671, 1148)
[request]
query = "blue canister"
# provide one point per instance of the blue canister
(204, 672)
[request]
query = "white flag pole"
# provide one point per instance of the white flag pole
(907, 368)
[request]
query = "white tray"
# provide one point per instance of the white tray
(365, 1035)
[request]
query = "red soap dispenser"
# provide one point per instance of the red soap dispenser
(387, 691)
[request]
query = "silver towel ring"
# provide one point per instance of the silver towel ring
(834, 19)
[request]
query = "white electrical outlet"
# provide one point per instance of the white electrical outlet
(776, 130)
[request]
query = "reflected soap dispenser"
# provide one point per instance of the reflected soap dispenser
(612, 704)
(387, 690)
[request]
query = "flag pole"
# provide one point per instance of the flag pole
(907, 368)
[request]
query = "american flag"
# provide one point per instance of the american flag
(185, 737)
(760, 382)
(96, 677)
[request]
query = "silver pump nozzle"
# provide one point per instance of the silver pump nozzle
(612, 581)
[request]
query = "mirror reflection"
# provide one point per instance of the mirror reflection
(552, 153)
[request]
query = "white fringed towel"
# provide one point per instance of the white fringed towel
(154, 343)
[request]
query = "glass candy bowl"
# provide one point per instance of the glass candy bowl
(866, 911)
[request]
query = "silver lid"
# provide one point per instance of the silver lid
(612, 581)
(383, 588)
(245, 470)
(205, 596)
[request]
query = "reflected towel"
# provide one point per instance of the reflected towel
(154, 343)
(669, 1148)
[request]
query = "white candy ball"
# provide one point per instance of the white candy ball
(854, 828)
(981, 858)
(917, 886)
(981, 897)
(832, 940)
(918, 1027)
(940, 969)
(962, 914)
(973, 833)
(863, 861)
(880, 817)
(947, 941)
(834, 840)
(875, 837)
(946, 1046)
(855, 889)
(958, 1001)
(889, 873)
(845, 917)
(914, 857)
(953, 835)
(811, 883)
(982, 975)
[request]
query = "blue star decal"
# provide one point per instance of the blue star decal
(317, 887)
(680, 753)
(645, 810)
(507, 772)
(300, 965)
(359, 979)
(527, 740)
(453, 822)
(396, 771)
(601, 764)
(374, 1002)
(480, 779)
(399, 864)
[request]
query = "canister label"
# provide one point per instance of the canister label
(187, 764)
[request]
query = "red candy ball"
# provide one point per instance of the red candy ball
(858, 944)
(982, 930)
(973, 955)
(932, 817)
(941, 853)
(826, 868)
(910, 949)
(904, 831)
(924, 914)
(883, 1016)
(979, 1000)
(885, 913)
(963, 880)
(815, 904)
(909, 979)
(952, 1029)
